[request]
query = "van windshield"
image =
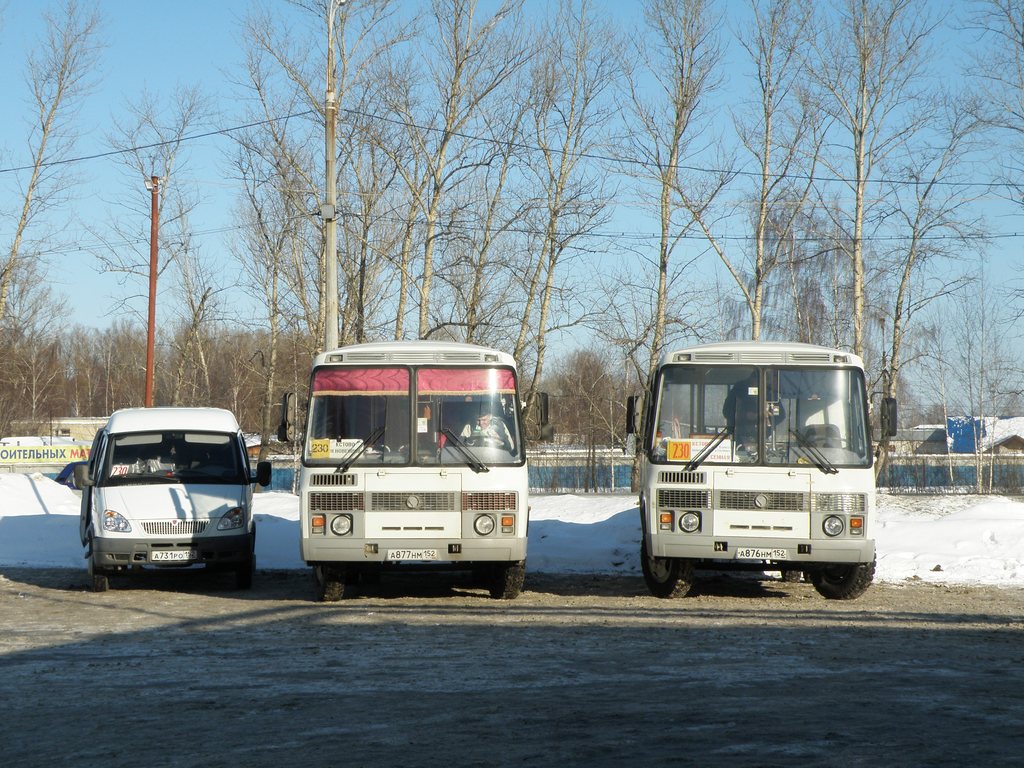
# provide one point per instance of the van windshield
(173, 457)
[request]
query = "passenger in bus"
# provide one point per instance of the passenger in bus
(489, 429)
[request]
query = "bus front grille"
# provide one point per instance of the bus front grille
(401, 501)
(673, 498)
(787, 501)
(335, 502)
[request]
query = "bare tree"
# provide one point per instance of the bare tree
(573, 77)
(782, 134)
(933, 215)
(468, 61)
(679, 53)
(868, 58)
(58, 72)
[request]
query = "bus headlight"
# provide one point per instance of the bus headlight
(689, 522)
(341, 525)
(483, 525)
(833, 525)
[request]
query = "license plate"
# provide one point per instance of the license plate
(412, 554)
(172, 555)
(756, 553)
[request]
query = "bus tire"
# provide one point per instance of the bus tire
(666, 577)
(507, 580)
(330, 584)
(843, 582)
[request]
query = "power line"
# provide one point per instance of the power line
(990, 185)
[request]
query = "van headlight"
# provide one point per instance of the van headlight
(232, 519)
(115, 521)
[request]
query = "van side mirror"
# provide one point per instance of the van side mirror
(264, 470)
(289, 415)
(82, 477)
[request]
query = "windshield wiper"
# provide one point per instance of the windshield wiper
(472, 461)
(359, 450)
(819, 459)
(707, 450)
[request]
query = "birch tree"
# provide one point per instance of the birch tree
(58, 73)
(868, 61)
(679, 55)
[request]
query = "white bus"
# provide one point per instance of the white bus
(413, 457)
(757, 456)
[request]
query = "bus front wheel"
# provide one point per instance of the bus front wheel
(330, 584)
(666, 577)
(843, 582)
(507, 580)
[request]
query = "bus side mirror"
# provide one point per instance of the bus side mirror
(631, 402)
(889, 416)
(289, 415)
(547, 431)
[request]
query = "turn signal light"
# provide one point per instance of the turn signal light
(318, 523)
(856, 526)
(665, 521)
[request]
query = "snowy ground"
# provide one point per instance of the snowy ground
(955, 539)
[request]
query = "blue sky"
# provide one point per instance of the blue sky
(159, 46)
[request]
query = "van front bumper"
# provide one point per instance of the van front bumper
(124, 552)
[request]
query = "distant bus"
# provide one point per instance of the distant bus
(757, 456)
(413, 457)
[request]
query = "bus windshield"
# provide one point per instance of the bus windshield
(425, 416)
(770, 416)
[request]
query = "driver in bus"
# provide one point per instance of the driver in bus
(489, 429)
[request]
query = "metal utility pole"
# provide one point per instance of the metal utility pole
(329, 209)
(153, 185)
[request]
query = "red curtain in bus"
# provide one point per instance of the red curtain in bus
(465, 381)
(361, 381)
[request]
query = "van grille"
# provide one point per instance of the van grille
(174, 527)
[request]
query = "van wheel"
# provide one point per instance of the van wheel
(507, 580)
(330, 584)
(245, 573)
(843, 582)
(98, 580)
(666, 576)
